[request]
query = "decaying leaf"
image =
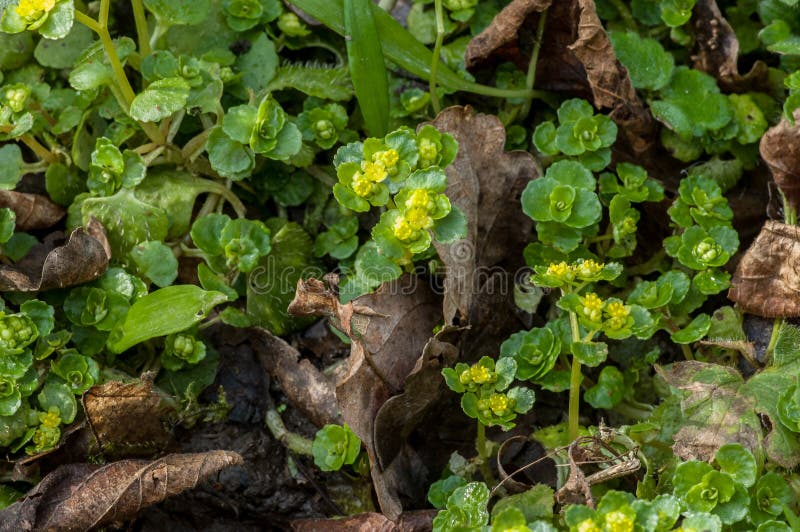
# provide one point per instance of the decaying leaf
(486, 184)
(85, 496)
(576, 57)
(304, 385)
(780, 149)
(33, 211)
(418, 521)
(767, 279)
(714, 412)
(717, 51)
(423, 388)
(82, 258)
(388, 329)
(127, 418)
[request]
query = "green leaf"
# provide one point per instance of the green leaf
(535, 503)
(738, 462)
(590, 354)
(92, 69)
(230, 158)
(156, 262)
(59, 20)
(609, 390)
(62, 53)
(649, 66)
(440, 491)
(258, 65)
(693, 332)
(367, 68)
(318, 81)
(167, 310)
(58, 395)
(175, 12)
(10, 166)
(160, 99)
(787, 346)
(271, 285)
(134, 220)
(335, 446)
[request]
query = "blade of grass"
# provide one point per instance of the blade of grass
(367, 67)
(403, 49)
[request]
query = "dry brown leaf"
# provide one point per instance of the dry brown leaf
(780, 149)
(82, 258)
(418, 521)
(127, 418)
(576, 57)
(486, 184)
(388, 330)
(33, 211)
(79, 497)
(305, 386)
(767, 279)
(717, 51)
(424, 386)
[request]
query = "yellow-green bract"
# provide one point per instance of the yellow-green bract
(165, 311)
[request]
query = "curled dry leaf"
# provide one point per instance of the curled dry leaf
(767, 279)
(304, 385)
(33, 211)
(85, 496)
(714, 412)
(780, 149)
(128, 418)
(486, 184)
(82, 258)
(417, 521)
(717, 51)
(388, 329)
(576, 57)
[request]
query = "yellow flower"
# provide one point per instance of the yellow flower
(418, 218)
(561, 270)
(387, 158)
(592, 307)
(375, 172)
(402, 229)
(362, 185)
(32, 9)
(588, 526)
(427, 150)
(419, 198)
(498, 403)
(618, 522)
(51, 419)
(618, 314)
(588, 269)
(479, 374)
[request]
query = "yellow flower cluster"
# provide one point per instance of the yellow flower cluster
(617, 315)
(584, 270)
(364, 181)
(499, 404)
(33, 9)
(51, 419)
(592, 308)
(388, 158)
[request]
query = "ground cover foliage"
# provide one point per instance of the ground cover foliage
(406, 265)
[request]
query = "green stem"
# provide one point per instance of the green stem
(124, 90)
(531, 79)
(294, 442)
(437, 50)
(142, 34)
(625, 13)
(483, 453)
(773, 339)
(575, 378)
(43, 153)
(687, 352)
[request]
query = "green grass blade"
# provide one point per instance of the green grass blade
(367, 67)
(401, 47)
